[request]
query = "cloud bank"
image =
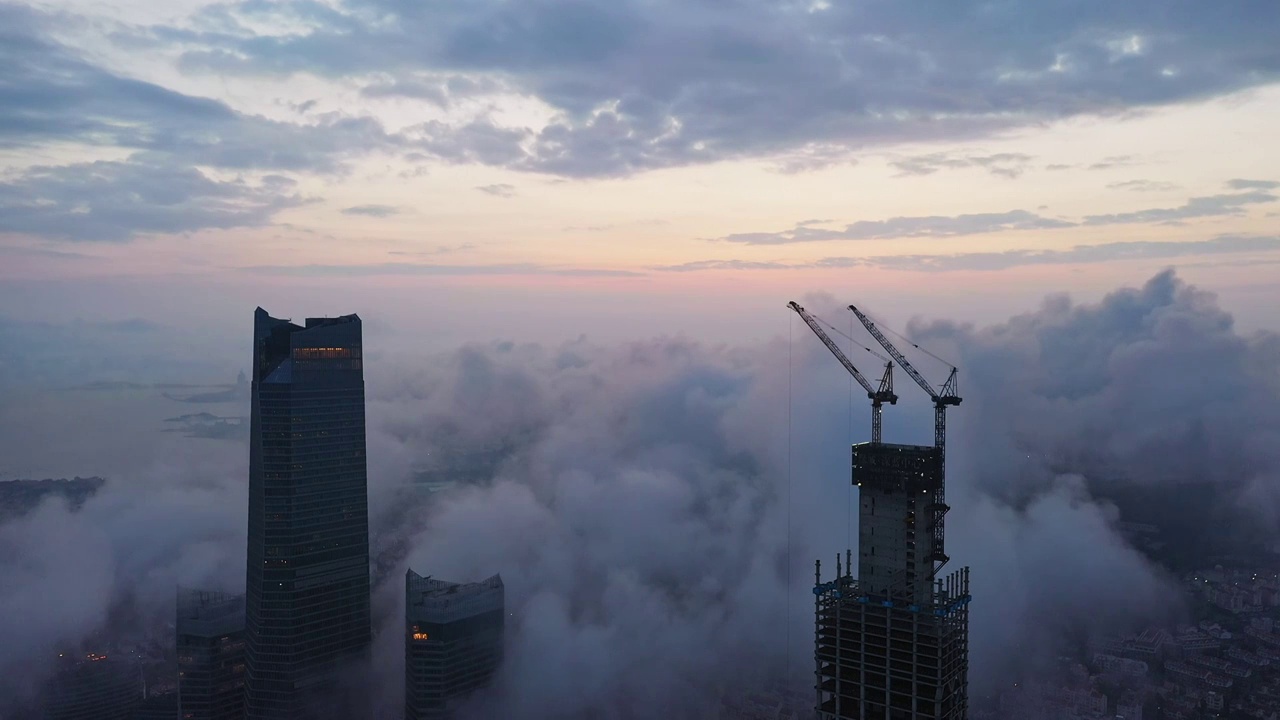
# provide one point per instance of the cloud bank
(656, 517)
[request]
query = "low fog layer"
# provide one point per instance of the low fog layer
(655, 507)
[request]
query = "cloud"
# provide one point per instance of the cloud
(699, 265)
(1115, 161)
(1143, 186)
(649, 517)
(501, 190)
(615, 226)
(402, 268)
(116, 201)
(378, 211)
(983, 223)
(1003, 260)
(435, 251)
(1080, 254)
(39, 252)
(438, 89)
(906, 227)
(651, 480)
(812, 157)
(52, 95)
(1196, 207)
(1009, 165)
(1253, 184)
(633, 86)
(113, 565)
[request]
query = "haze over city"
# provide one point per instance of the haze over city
(570, 231)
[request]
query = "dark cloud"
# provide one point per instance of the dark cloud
(1144, 186)
(501, 190)
(114, 201)
(1009, 165)
(403, 268)
(378, 211)
(1080, 254)
(644, 85)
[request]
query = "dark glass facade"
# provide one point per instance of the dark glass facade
(157, 707)
(211, 666)
(453, 642)
(95, 687)
(307, 592)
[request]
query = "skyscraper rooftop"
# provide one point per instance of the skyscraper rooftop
(453, 642)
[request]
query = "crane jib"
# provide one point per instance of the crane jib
(877, 395)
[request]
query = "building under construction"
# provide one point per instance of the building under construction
(892, 641)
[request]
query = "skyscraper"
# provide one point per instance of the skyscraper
(892, 643)
(307, 591)
(210, 632)
(94, 687)
(453, 642)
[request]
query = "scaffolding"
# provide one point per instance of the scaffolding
(881, 657)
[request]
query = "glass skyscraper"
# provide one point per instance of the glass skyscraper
(210, 635)
(307, 627)
(453, 642)
(95, 687)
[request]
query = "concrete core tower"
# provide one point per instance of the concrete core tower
(892, 643)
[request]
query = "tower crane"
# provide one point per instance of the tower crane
(942, 399)
(877, 395)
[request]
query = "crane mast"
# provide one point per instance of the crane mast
(941, 401)
(877, 395)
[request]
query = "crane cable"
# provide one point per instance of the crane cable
(840, 332)
(908, 340)
(791, 324)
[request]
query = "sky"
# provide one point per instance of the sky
(550, 168)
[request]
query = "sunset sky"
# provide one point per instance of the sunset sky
(544, 168)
